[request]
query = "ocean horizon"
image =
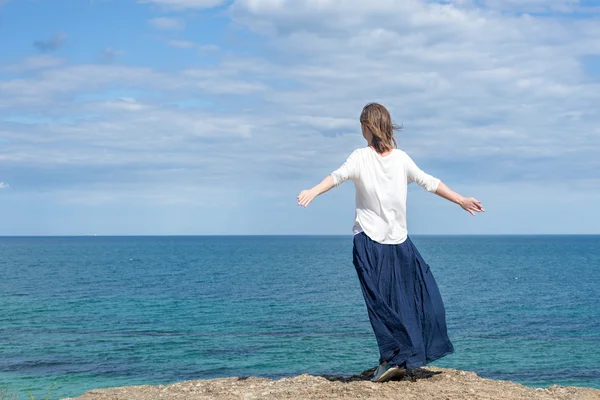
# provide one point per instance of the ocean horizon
(312, 235)
(93, 311)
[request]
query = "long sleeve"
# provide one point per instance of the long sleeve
(415, 174)
(349, 170)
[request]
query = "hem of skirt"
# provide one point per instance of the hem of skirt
(430, 359)
(399, 358)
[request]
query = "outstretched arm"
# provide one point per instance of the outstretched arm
(467, 203)
(349, 170)
(434, 185)
(306, 196)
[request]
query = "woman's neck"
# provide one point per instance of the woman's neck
(385, 153)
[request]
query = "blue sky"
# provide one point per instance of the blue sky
(209, 116)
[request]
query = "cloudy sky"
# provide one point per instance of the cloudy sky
(209, 116)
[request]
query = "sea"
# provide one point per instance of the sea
(92, 312)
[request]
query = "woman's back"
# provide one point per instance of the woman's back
(381, 188)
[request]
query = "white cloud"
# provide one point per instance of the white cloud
(484, 96)
(110, 54)
(185, 4)
(182, 44)
(167, 23)
(34, 62)
(185, 44)
(533, 5)
(50, 87)
(441, 66)
(122, 104)
(4, 185)
(208, 47)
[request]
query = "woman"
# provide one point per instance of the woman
(403, 301)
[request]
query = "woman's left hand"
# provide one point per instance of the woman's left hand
(305, 197)
(471, 205)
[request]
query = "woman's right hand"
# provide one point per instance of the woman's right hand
(306, 196)
(471, 205)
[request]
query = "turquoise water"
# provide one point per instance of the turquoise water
(91, 312)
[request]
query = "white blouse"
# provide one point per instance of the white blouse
(381, 187)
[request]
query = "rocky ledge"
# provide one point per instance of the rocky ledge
(419, 384)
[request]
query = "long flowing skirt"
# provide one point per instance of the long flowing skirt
(403, 301)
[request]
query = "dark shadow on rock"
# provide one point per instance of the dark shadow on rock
(411, 375)
(421, 373)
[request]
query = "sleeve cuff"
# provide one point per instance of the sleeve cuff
(433, 186)
(336, 180)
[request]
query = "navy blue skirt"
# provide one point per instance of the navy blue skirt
(403, 301)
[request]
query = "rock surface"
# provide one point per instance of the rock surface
(420, 384)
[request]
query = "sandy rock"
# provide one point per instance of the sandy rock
(420, 384)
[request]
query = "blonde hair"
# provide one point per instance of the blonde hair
(378, 121)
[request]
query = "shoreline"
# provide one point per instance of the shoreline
(423, 383)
